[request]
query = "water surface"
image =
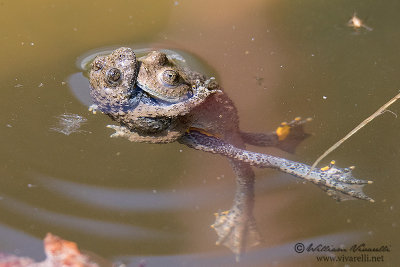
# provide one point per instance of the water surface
(134, 202)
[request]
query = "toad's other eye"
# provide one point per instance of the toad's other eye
(97, 65)
(113, 77)
(170, 77)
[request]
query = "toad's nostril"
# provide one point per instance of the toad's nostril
(97, 65)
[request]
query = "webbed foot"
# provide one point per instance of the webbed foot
(286, 137)
(120, 131)
(291, 134)
(236, 230)
(93, 108)
(339, 183)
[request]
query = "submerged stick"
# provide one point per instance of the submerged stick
(362, 124)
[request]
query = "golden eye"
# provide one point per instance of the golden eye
(170, 77)
(97, 65)
(113, 77)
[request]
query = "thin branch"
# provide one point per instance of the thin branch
(362, 124)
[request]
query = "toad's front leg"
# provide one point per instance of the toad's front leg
(167, 136)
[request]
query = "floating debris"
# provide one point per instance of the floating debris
(356, 23)
(69, 123)
(59, 253)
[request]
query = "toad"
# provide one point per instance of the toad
(157, 101)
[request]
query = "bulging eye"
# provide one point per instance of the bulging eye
(113, 77)
(170, 77)
(97, 65)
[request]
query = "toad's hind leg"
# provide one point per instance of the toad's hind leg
(236, 228)
(339, 183)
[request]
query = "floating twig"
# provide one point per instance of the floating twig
(362, 124)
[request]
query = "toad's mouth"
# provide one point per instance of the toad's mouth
(146, 97)
(170, 99)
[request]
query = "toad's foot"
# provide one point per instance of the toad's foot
(120, 131)
(200, 94)
(286, 137)
(236, 230)
(93, 108)
(291, 134)
(339, 183)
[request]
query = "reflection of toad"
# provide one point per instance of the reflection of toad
(156, 101)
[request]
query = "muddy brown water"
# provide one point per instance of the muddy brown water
(153, 204)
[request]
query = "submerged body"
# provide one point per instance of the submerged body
(156, 101)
